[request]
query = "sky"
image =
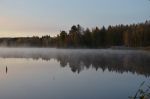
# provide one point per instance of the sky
(21, 18)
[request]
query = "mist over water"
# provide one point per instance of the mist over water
(52, 52)
(78, 59)
(72, 73)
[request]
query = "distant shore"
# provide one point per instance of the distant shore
(133, 36)
(111, 48)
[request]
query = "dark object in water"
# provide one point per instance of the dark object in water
(6, 69)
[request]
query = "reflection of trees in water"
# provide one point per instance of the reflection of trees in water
(118, 61)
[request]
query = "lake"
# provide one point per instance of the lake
(45, 73)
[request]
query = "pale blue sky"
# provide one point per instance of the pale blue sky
(41, 17)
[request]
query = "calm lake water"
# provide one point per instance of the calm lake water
(44, 73)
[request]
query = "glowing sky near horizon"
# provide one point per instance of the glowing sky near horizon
(48, 17)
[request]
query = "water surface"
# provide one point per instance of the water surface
(44, 73)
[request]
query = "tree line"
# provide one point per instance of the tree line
(134, 35)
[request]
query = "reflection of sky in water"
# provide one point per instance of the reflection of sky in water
(28, 78)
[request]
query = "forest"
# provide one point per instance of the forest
(133, 35)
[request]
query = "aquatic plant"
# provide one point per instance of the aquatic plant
(142, 93)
